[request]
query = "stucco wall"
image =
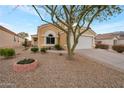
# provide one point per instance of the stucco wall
(106, 41)
(120, 42)
(7, 40)
(63, 40)
(44, 28)
(34, 41)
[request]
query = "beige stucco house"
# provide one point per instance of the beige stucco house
(49, 35)
(9, 38)
(110, 38)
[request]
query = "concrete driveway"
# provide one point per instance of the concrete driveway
(105, 57)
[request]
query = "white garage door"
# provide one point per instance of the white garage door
(85, 42)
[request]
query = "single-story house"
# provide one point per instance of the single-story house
(49, 35)
(9, 38)
(115, 38)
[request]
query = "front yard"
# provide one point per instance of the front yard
(56, 71)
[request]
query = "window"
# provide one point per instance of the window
(50, 39)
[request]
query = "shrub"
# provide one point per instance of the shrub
(1, 52)
(118, 48)
(102, 46)
(34, 49)
(58, 47)
(7, 52)
(43, 50)
(26, 61)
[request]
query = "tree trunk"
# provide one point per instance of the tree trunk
(68, 39)
(74, 46)
(70, 47)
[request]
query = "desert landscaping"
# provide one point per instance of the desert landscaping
(54, 70)
(61, 46)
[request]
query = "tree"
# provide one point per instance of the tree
(23, 35)
(25, 44)
(72, 18)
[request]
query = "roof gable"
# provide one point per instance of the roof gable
(90, 31)
(106, 36)
(7, 30)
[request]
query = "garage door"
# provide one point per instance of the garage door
(85, 42)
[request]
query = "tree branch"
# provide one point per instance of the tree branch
(55, 24)
(92, 18)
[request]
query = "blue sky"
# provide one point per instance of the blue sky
(25, 19)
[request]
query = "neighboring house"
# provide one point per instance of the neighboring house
(49, 35)
(9, 38)
(34, 39)
(115, 38)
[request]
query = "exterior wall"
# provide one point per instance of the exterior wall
(21, 41)
(90, 33)
(7, 39)
(111, 42)
(120, 42)
(33, 42)
(63, 40)
(106, 41)
(42, 30)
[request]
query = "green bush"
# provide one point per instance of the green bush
(43, 50)
(102, 46)
(34, 49)
(7, 52)
(26, 61)
(58, 47)
(118, 48)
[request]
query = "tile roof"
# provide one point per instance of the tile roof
(121, 38)
(118, 35)
(105, 36)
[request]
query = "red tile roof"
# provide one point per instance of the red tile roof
(121, 38)
(105, 36)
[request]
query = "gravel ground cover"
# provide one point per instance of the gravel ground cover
(56, 71)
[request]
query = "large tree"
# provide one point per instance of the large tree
(72, 18)
(23, 35)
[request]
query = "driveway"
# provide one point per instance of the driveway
(105, 57)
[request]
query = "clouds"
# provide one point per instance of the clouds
(27, 9)
(23, 8)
